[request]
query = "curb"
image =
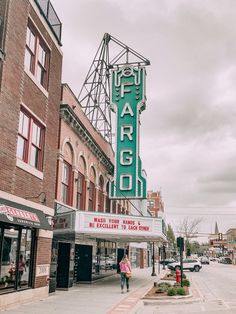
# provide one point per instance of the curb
(190, 298)
(173, 300)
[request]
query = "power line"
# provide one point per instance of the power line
(214, 206)
(200, 214)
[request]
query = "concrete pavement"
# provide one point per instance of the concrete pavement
(101, 297)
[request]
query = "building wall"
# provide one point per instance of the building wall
(19, 87)
(76, 151)
(231, 243)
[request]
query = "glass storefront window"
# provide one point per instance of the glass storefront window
(16, 258)
(104, 259)
(8, 258)
(24, 263)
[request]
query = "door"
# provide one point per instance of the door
(63, 265)
(83, 263)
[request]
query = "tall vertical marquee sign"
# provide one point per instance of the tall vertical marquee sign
(128, 101)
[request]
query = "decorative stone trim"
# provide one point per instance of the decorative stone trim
(68, 115)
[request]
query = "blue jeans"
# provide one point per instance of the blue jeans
(123, 281)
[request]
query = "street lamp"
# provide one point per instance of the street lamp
(163, 255)
(153, 260)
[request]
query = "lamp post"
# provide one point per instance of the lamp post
(163, 255)
(153, 260)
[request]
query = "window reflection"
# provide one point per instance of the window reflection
(8, 260)
(15, 257)
(24, 258)
(104, 258)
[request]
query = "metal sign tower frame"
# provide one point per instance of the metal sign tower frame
(94, 96)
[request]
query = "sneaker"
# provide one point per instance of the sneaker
(122, 291)
(127, 290)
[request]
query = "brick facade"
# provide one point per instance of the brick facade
(17, 88)
(20, 181)
(85, 154)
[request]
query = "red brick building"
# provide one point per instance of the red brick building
(30, 88)
(84, 168)
(155, 203)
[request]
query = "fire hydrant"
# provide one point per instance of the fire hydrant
(177, 275)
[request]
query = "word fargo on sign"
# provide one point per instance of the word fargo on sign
(128, 101)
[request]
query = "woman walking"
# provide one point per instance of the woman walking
(125, 273)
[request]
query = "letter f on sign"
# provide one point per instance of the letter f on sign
(123, 89)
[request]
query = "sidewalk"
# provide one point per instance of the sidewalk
(101, 297)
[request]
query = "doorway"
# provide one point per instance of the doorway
(63, 265)
(83, 263)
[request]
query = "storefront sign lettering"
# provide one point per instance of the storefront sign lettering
(18, 213)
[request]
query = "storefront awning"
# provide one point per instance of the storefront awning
(18, 214)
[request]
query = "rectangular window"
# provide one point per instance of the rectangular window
(37, 56)
(119, 209)
(30, 141)
(150, 204)
(91, 204)
(80, 192)
(114, 207)
(66, 183)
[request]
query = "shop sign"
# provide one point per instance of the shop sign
(63, 221)
(14, 213)
(118, 224)
(128, 100)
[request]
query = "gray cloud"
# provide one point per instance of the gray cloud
(188, 131)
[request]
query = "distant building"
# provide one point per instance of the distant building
(217, 243)
(155, 203)
(231, 243)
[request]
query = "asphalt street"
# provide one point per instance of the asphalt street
(216, 284)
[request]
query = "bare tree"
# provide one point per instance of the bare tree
(188, 228)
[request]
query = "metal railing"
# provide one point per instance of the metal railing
(51, 17)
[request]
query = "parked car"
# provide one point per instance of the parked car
(204, 260)
(225, 260)
(188, 264)
(167, 261)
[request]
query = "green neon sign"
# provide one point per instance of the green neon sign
(128, 101)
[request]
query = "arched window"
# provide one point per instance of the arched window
(67, 180)
(108, 201)
(100, 195)
(80, 199)
(81, 186)
(92, 192)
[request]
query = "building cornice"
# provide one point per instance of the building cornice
(69, 117)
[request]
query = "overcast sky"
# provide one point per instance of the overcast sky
(188, 131)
